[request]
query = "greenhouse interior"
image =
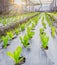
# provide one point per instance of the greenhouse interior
(28, 32)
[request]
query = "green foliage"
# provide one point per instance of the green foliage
(29, 28)
(24, 40)
(5, 41)
(28, 22)
(53, 30)
(33, 25)
(4, 21)
(35, 20)
(16, 55)
(43, 23)
(44, 39)
(22, 26)
(30, 33)
(16, 31)
(48, 20)
(10, 35)
(41, 30)
(7, 20)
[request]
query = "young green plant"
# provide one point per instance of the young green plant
(43, 23)
(5, 41)
(48, 20)
(41, 30)
(53, 31)
(16, 31)
(30, 33)
(44, 39)
(16, 55)
(24, 40)
(10, 35)
(22, 27)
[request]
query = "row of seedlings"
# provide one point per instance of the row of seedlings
(43, 23)
(43, 36)
(7, 20)
(53, 28)
(12, 35)
(29, 33)
(16, 55)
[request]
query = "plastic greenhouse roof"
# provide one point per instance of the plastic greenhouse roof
(42, 1)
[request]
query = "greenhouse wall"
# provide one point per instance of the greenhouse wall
(4, 6)
(53, 5)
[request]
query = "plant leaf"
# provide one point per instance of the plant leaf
(10, 55)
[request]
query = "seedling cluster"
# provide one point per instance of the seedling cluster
(29, 29)
(16, 55)
(53, 31)
(44, 38)
(29, 33)
(43, 23)
(5, 41)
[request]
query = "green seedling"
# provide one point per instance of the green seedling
(28, 23)
(4, 22)
(36, 20)
(16, 55)
(48, 20)
(24, 40)
(43, 23)
(5, 41)
(41, 30)
(22, 27)
(53, 31)
(16, 31)
(33, 25)
(10, 35)
(29, 28)
(44, 39)
(30, 33)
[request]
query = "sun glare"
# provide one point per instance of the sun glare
(18, 2)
